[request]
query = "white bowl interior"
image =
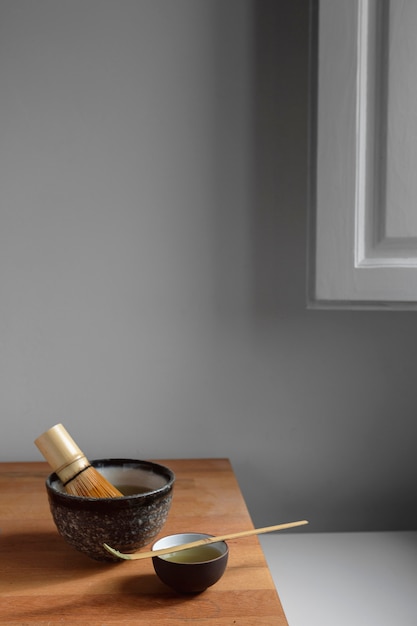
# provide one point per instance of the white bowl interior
(141, 477)
(176, 540)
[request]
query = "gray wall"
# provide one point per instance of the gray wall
(153, 167)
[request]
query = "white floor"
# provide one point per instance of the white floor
(345, 579)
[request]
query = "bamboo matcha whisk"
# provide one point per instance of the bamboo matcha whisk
(77, 474)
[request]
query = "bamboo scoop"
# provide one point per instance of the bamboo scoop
(201, 542)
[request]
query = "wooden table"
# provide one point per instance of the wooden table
(45, 581)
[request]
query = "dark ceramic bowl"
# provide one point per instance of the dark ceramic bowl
(193, 570)
(126, 523)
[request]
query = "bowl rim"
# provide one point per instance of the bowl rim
(158, 468)
(197, 536)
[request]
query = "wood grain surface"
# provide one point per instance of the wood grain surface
(44, 581)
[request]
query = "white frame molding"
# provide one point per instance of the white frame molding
(353, 259)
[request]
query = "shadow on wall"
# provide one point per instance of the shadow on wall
(280, 116)
(261, 159)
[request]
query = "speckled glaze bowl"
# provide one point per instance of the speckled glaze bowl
(193, 570)
(127, 523)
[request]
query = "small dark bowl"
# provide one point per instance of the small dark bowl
(127, 523)
(190, 571)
